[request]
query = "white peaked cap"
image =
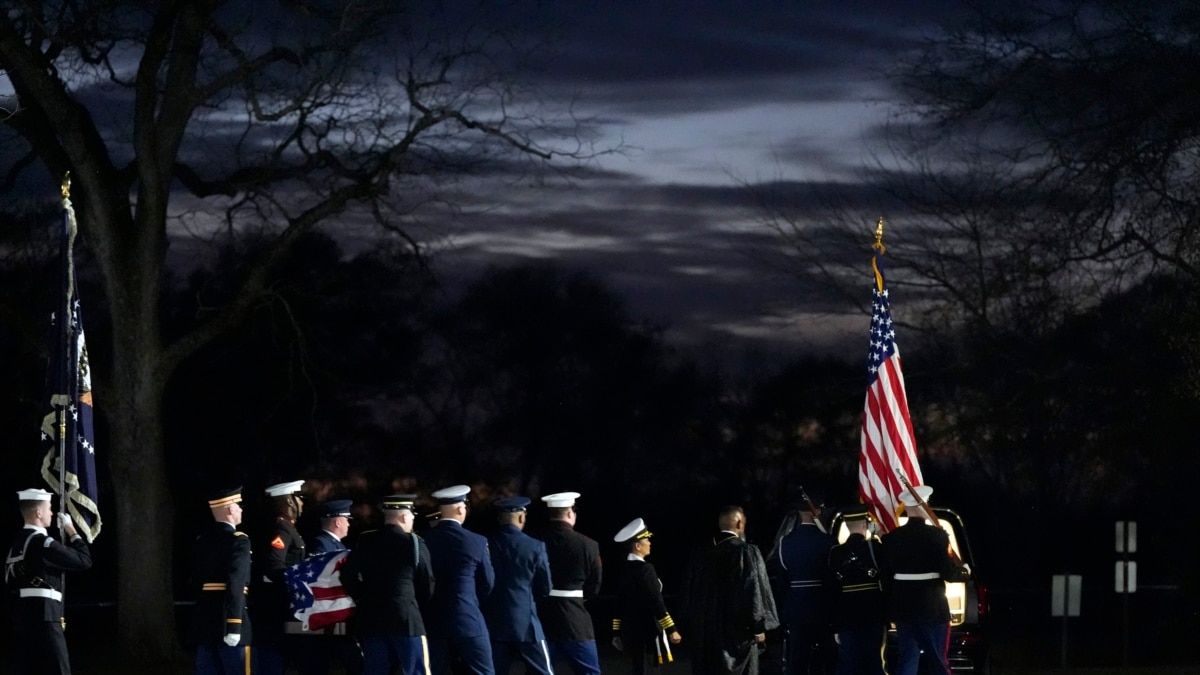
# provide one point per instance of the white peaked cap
(284, 489)
(636, 529)
(924, 491)
(452, 494)
(561, 500)
(34, 495)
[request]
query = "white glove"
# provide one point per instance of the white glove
(64, 519)
(232, 639)
(967, 568)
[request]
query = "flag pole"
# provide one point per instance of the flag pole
(65, 331)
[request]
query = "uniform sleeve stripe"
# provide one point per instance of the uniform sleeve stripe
(666, 622)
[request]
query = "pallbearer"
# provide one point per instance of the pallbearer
(33, 575)
(277, 548)
(642, 627)
(858, 612)
(463, 569)
(388, 573)
(335, 525)
(522, 577)
(220, 624)
(575, 574)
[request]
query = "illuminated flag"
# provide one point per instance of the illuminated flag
(317, 596)
(888, 446)
(69, 466)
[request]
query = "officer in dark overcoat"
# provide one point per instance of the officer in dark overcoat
(859, 619)
(919, 557)
(33, 577)
(462, 566)
(389, 575)
(522, 576)
(276, 548)
(642, 626)
(220, 629)
(576, 575)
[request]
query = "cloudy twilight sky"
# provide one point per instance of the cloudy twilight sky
(707, 97)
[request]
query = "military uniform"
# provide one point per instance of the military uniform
(642, 621)
(522, 575)
(919, 560)
(33, 575)
(463, 569)
(804, 562)
(324, 542)
(221, 572)
(575, 572)
(277, 548)
(389, 575)
(332, 642)
(859, 570)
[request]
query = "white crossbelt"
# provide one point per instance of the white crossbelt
(41, 593)
(559, 593)
(923, 576)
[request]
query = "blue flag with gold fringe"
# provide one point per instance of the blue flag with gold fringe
(68, 435)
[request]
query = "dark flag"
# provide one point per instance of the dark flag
(70, 463)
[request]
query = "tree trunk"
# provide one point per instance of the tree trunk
(147, 638)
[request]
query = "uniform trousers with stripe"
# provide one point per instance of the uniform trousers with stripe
(860, 650)
(382, 654)
(536, 656)
(580, 655)
(932, 637)
(475, 652)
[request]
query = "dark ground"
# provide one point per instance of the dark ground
(1024, 639)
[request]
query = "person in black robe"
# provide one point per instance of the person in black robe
(729, 607)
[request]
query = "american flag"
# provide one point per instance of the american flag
(888, 445)
(317, 596)
(73, 475)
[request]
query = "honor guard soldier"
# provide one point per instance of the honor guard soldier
(803, 559)
(522, 577)
(335, 525)
(920, 560)
(389, 575)
(33, 577)
(220, 626)
(575, 574)
(277, 548)
(332, 642)
(858, 610)
(463, 569)
(642, 624)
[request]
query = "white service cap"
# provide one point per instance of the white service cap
(561, 500)
(636, 529)
(907, 498)
(452, 495)
(284, 489)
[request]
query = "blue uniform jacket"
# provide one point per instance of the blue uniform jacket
(804, 556)
(324, 542)
(463, 569)
(522, 577)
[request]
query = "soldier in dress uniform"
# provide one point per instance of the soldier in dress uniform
(220, 627)
(33, 577)
(859, 610)
(919, 558)
(277, 548)
(575, 575)
(642, 625)
(522, 577)
(463, 569)
(335, 525)
(332, 642)
(805, 588)
(389, 575)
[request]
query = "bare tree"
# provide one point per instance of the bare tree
(221, 118)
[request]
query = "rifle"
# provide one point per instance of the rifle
(929, 512)
(812, 508)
